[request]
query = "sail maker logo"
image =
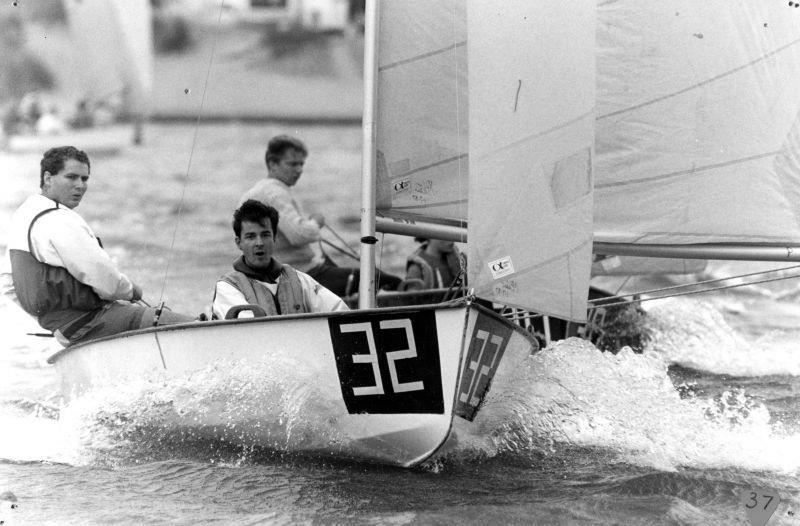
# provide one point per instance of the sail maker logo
(501, 267)
(401, 186)
(486, 347)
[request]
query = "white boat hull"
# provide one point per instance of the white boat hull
(100, 140)
(389, 383)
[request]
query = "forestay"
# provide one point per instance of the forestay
(697, 138)
(487, 115)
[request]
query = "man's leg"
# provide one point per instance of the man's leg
(336, 279)
(339, 281)
(119, 316)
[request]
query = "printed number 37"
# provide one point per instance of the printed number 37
(754, 499)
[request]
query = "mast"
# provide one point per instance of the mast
(366, 284)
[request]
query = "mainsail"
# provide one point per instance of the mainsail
(485, 116)
(696, 107)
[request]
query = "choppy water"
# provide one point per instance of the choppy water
(677, 435)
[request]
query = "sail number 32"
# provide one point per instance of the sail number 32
(391, 357)
(388, 363)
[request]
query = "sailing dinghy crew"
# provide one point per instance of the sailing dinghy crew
(297, 239)
(56, 268)
(436, 263)
(259, 279)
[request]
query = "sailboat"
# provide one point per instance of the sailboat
(112, 65)
(520, 129)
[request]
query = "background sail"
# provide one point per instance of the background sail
(531, 134)
(114, 40)
(696, 101)
(422, 110)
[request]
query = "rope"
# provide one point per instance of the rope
(191, 154)
(339, 249)
(350, 252)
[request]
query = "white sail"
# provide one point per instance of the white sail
(531, 89)
(488, 114)
(696, 101)
(114, 40)
(422, 110)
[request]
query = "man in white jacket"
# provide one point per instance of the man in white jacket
(259, 279)
(56, 268)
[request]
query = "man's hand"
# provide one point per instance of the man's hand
(319, 218)
(137, 293)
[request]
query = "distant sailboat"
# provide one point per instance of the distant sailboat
(113, 46)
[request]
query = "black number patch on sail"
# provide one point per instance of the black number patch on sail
(486, 346)
(388, 363)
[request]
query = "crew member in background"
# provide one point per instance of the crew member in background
(55, 267)
(299, 233)
(259, 279)
(435, 264)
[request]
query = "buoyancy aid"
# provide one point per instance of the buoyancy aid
(290, 299)
(48, 292)
(429, 275)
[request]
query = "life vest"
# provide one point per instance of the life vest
(428, 270)
(290, 299)
(48, 292)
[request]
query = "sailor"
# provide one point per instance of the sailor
(434, 264)
(297, 239)
(259, 279)
(56, 268)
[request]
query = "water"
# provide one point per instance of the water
(677, 435)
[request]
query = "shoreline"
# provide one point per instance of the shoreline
(259, 118)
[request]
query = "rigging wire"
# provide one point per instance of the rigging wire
(597, 303)
(462, 205)
(380, 266)
(191, 153)
(704, 282)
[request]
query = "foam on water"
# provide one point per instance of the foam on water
(275, 403)
(693, 333)
(572, 395)
(569, 395)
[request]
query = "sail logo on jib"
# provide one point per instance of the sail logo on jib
(501, 267)
(401, 186)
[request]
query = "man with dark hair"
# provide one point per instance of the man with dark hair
(56, 269)
(297, 237)
(259, 279)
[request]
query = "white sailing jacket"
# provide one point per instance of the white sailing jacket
(63, 239)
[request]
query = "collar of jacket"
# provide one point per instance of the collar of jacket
(270, 275)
